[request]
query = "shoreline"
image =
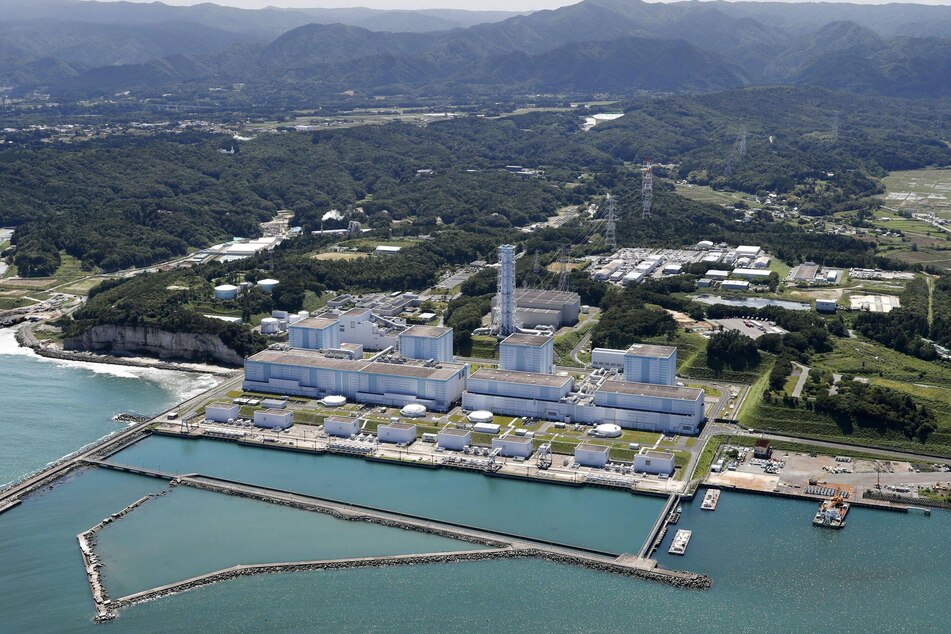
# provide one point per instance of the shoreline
(26, 339)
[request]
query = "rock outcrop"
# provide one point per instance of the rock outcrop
(153, 342)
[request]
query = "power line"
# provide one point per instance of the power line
(647, 191)
(610, 237)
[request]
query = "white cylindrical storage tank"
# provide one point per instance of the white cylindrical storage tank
(413, 410)
(480, 416)
(226, 291)
(270, 325)
(333, 401)
(608, 430)
(304, 314)
(268, 285)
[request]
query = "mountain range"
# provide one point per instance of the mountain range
(596, 46)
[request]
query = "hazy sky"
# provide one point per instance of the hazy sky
(504, 5)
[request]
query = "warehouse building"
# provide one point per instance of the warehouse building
(397, 433)
(644, 363)
(756, 275)
(454, 439)
(389, 381)
(514, 446)
(592, 456)
(527, 353)
(826, 305)
(273, 418)
(427, 342)
(222, 412)
(654, 462)
(341, 426)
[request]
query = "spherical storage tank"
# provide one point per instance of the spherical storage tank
(270, 325)
(480, 416)
(333, 401)
(413, 410)
(268, 285)
(607, 430)
(226, 291)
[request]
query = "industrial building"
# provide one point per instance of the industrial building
(592, 456)
(874, 303)
(397, 433)
(545, 308)
(607, 359)
(273, 418)
(758, 275)
(654, 462)
(341, 426)
(826, 305)
(527, 353)
(427, 342)
(391, 381)
(454, 439)
(514, 446)
(644, 363)
(361, 326)
(314, 333)
(222, 412)
(735, 285)
(598, 399)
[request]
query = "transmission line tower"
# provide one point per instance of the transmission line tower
(835, 128)
(563, 269)
(647, 190)
(610, 236)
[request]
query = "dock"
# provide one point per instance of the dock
(710, 500)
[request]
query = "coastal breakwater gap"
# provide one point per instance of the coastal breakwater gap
(501, 545)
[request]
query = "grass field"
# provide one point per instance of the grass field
(926, 191)
(338, 256)
(704, 194)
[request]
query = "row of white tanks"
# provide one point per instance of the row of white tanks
(230, 291)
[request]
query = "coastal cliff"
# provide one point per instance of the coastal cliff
(153, 342)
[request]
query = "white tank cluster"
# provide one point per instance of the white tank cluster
(413, 410)
(226, 291)
(481, 416)
(270, 326)
(267, 285)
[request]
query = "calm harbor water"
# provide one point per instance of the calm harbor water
(613, 521)
(772, 571)
(51, 408)
(167, 539)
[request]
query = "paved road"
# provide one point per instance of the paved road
(801, 383)
(577, 349)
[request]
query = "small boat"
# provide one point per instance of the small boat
(832, 513)
(710, 500)
(679, 544)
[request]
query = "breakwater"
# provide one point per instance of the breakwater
(500, 544)
(87, 547)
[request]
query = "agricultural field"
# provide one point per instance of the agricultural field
(919, 191)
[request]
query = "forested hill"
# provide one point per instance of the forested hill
(127, 201)
(627, 46)
(795, 136)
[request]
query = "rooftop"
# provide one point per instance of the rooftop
(315, 359)
(593, 448)
(528, 378)
(518, 440)
(315, 322)
(537, 295)
(648, 389)
(425, 331)
(650, 350)
(342, 419)
(454, 432)
(657, 455)
(527, 340)
(399, 426)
